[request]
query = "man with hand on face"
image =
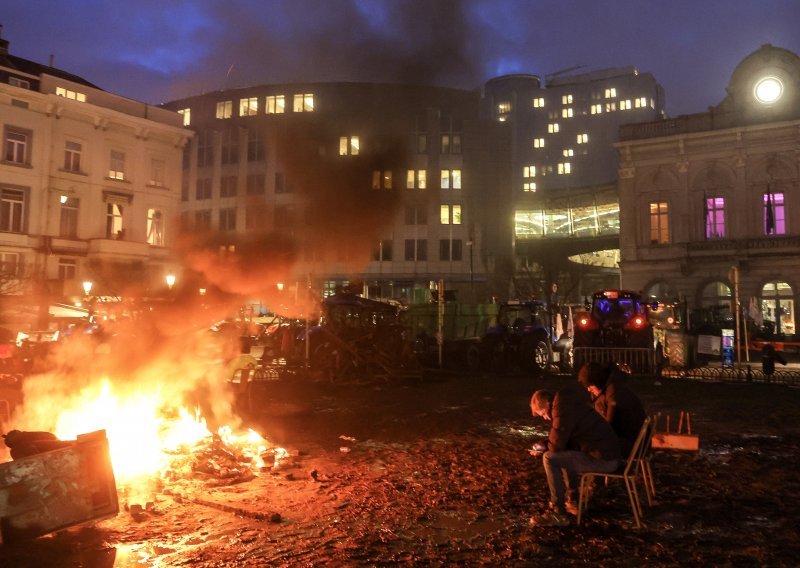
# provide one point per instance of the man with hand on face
(580, 440)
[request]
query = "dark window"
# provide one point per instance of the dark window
(444, 249)
(227, 219)
(203, 189)
(280, 182)
(227, 187)
(230, 146)
(255, 146)
(255, 184)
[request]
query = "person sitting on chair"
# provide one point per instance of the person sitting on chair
(614, 400)
(580, 440)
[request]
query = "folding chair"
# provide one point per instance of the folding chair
(631, 470)
(647, 456)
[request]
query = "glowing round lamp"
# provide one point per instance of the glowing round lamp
(768, 90)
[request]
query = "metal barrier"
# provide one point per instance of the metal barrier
(639, 360)
(745, 374)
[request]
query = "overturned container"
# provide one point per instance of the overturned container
(56, 489)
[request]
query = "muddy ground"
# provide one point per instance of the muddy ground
(436, 472)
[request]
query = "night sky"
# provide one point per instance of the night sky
(158, 50)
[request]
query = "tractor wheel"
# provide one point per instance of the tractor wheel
(537, 351)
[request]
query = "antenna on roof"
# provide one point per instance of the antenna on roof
(562, 71)
(227, 76)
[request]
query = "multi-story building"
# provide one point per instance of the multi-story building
(711, 198)
(89, 188)
(562, 196)
(372, 186)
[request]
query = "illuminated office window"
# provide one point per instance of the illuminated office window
(597, 109)
(640, 102)
(248, 106)
(568, 152)
(583, 138)
(625, 105)
(610, 107)
(538, 142)
(304, 102)
(538, 102)
(552, 127)
(564, 168)
(224, 109)
(611, 93)
(566, 99)
(276, 104)
(566, 112)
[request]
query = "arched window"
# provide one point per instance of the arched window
(660, 291)
(777, 306)
(716, 295)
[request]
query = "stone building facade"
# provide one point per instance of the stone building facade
(711, 198)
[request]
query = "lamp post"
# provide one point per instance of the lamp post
(170, 279)
(87, 290)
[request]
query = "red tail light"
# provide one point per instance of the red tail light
(587, 323)
(636, 322)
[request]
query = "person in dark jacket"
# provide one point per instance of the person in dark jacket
(580, 440)
(614, 400)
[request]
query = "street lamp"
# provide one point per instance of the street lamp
(87, 290)
(170, 278)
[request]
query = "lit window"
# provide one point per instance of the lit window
(382, 179)
(568, 152)
(224, 109)
(450, 179)
(155, 227)
(640, 102)
(566, 99)
(774, 214)
(715, 217)
(248, 106)
(652, 103)
(157, 169)
(12, 206)
(186, 113)
(114, 227)
(529, 186)
(349, 146)
(529, 171)
(444, 214)
(17, 146)
(538, 142)
(66, 93)
(625, 105)
(72, 156)
(566, 112)
(552, 127)
(304, 102)
(659, 223)
(503, 108)
(538, 102)
(68, 227)
(564, 168)
(416, 179)
(597, 109)
(611, 107)
(450, 214)
(611, 93)
(116, 168)
(583, 138)
(276, 104)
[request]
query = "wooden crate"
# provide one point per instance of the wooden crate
(54, 490)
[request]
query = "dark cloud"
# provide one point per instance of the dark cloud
(156, 50)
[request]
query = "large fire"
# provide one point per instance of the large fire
(149, 407)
